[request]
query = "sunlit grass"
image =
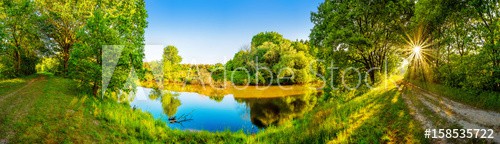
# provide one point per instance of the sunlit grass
(378, 116)
(10, 85)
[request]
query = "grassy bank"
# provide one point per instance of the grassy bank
(488, 100)
(48, 109)
(379, 116)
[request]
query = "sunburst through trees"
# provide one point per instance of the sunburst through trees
(418, 47)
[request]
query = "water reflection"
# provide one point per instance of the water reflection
(276, 111)
(221, 109)
(169, 100)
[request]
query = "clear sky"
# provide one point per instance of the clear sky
(212, 31)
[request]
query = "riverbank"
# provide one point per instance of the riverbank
(50, 110)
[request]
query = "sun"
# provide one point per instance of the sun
(417, 49)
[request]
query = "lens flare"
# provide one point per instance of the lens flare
(416, 48)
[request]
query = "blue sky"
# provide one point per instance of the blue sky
(212, 31)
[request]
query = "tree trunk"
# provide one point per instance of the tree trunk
(66, 59)
(95, 88)
(372, 76)
(17, 65)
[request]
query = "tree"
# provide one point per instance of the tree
(86, 60)
(465, 44)
(110, 45)
(272, 59)
(366, 33)
(63, 19)
(20, 40)
(171, 63)
(263, 37)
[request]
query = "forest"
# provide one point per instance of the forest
(374, 63)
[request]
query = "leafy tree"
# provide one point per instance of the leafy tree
(86, 60)
(366, 33)
(465, 44)
(171, 63)
(110, 45)
(20, 41)
(263, 37)
(271, 59)
(63, 19)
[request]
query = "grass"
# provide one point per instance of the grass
(379, 116)
(10, 84)
(50, 110)
(488, 100)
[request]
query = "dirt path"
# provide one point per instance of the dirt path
(442, 109)
(20, 89)
(15, 105)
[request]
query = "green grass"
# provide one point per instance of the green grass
(51, 110)
(488, 100)
(379, 116)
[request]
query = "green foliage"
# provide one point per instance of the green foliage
(465, 44)
(20, 40)
(86, 60)
(171, 64)
(48, 64)
(271, 60)
(73, 31)
(61, 21)
(359, 34)
(110, 43)
(263, 37)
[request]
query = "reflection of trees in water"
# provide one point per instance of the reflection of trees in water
(276, 111)
(169, 100)
(216, 98)
(204, 90)
(170, 103)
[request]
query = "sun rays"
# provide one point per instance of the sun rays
(418, 51)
